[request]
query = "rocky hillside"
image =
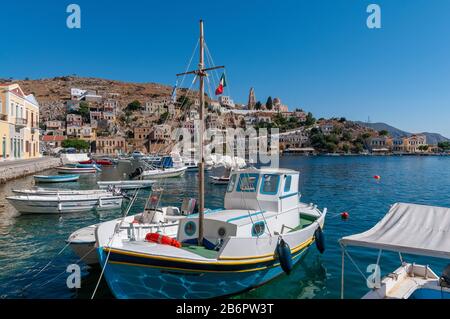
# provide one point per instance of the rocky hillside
(52, 93)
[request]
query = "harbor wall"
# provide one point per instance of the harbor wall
(17, 169)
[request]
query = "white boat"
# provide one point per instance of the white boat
(414, 230)
(54, 191)
(262, 231)
(76, 170)
(131, 184)
(164, 172)
(58, 204)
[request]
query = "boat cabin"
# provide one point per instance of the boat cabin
(258, 202)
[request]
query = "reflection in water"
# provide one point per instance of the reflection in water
(29, 242)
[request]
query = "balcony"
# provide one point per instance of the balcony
(21, 122)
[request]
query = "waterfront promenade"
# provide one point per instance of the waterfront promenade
(18, 168)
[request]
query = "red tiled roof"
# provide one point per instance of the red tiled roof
(53, 138)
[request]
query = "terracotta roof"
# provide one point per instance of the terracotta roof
(53, 138)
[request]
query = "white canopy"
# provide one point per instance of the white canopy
(409, 228)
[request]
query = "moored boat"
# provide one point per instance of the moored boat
(406, 229)
(76, 170)
(126, 184)
(55, 191)
(240, 247)
(219, 180)
(56, 178)
(58, 204)
(103, 162)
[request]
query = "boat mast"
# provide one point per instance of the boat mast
(201, 164)
(201, 73)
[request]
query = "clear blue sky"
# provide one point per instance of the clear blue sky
(315, 54)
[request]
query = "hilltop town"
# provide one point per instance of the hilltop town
(113, 117)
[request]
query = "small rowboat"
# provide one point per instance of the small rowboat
(56, 178)
(133, 184)
(55, 191)
(76, 170)
(103, 162)
(58, 204)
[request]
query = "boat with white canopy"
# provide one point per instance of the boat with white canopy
(407, 229)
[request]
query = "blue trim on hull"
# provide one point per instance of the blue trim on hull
(137, 282)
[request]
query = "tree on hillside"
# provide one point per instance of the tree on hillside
(269, 103)
(310, 120)
(258, 105)
(84, 111)
(383, 133)
(134, 106)
(163, 118)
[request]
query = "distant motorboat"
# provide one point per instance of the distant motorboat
(59, 204)
(56, 178)
(132, 184)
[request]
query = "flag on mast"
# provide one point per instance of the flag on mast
(222, 84)
(174, 92)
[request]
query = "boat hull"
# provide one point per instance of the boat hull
(163, 174)
(56, 178)
(165, 281)
(75, 170)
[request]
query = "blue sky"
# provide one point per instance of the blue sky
(315, 54)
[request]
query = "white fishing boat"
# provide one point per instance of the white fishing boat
(54, 191)
(414, 230)
(126, 184)
(262, 231)
(59, 204)
(162, 220)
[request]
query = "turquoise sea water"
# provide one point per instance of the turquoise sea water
(28, 243)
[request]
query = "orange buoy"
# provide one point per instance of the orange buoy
(162, 239)
(377, 177)
(344, 215)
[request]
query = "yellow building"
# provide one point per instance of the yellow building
(19, 124)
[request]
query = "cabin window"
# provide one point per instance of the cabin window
(258, 229)
(190, 228)
(269, 185)
(287, 183)
(247, 182)
(231, 183)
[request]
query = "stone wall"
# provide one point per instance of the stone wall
(23, 168)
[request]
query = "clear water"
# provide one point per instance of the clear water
(28, 243)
